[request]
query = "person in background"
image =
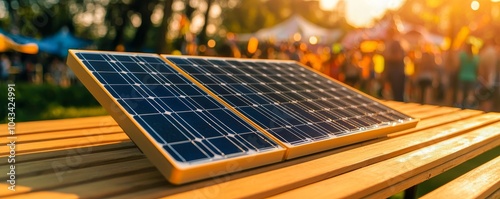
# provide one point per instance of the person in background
(487, 73)
(367, 72)
(496, 94)
(5, 67)
(425, 72)
(467, 73)
(394, 68)
(336, 61)
(313, 60)
(294, 52)
(225, 50)
(57, 72)
(352, 70)
(282, 53)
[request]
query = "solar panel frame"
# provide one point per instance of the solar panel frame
(176, 172)
(294, 151)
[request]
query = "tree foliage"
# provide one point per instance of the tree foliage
(128, 23)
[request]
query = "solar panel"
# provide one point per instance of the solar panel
(194, 117)
(304, 110)
(184, 131)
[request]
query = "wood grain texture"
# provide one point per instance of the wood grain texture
(62, 124)
(294, 176)
(440, 120)
(93, 158)
(480, 182)
(368, 180)
(436, 112)
(100, 188)
(48, 145)
(74, 159)
(63, 175)
(421, 109)
(63, 134)
(40, 156)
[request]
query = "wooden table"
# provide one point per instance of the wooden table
(93, 158)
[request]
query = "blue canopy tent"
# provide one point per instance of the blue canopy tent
(57, 44)
(18, 38)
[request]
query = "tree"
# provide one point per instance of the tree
(167, 13)
(202, 36)
(145, 9)
(116, 16)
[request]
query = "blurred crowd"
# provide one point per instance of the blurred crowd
(392, 70)
(468, 77)
(17, 67)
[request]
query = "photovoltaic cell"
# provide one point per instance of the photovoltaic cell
(294, 104)
(189, 124)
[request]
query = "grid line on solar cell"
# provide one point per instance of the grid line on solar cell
(292, 103)
(188, 123)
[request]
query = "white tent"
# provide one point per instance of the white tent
(285, 30)
(379, 32)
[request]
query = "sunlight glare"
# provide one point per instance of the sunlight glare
(328, 4)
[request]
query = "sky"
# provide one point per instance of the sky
(360, 13)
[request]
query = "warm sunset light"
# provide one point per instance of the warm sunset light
(246, 98)
(362, 12)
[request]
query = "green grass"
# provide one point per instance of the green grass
(60, 112)
(42, 102)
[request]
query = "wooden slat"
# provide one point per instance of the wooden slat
(370, 179)
(421, 109)
(296, 175)
(400, 104)
(419, 178)
(438, 125)
(63, 177)
(165, 189)
(103, 188)
(425, 114)
(436, 112)
(33, 157)
(478, 183)
(54, 135)
(74, 159)
(495, 195)
(65, 143)
(157, 191)
(440, 120)
(403, 107)
(63, 124)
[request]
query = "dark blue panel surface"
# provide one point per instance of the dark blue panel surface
(295, 104)
(189, 124)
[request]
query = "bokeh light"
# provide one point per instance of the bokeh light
(474, 5)
(313, 40)
(297, 37)
(253, 43)
(211, 43)
(327, 4)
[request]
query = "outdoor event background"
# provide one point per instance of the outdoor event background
(325, 34)
(335, 37)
